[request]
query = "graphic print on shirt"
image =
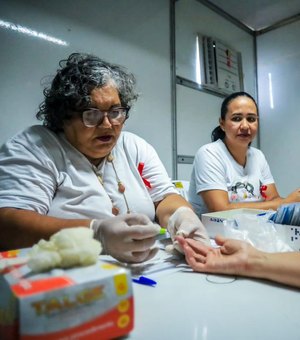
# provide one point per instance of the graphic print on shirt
(244, 190)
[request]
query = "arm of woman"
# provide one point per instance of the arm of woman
(128, 237)
(278, 267)
(176, 213)
(235, 257)
(217, 200)
(166, 207)
(171, 209)
(22, 228)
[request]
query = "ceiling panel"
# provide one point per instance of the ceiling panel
(259, 14)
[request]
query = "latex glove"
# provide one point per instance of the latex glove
(184, 222)
(128, 238)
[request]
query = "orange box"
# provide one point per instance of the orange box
(93, 302)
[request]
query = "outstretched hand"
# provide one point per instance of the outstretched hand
(230, 258)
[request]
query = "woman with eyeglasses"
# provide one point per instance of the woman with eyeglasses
(229, 173)
(80, 169)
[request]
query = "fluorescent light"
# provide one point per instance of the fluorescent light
(271, 91)
(198, 62)
(32, 33)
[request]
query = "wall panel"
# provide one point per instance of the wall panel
(134, 33)
(198, 112)
(278, 80)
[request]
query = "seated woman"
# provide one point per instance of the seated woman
(229, 173)
(81, 169)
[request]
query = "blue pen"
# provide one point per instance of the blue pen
(143, 280)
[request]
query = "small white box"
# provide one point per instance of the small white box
(214, 225)
(214, 221)
(290, 234)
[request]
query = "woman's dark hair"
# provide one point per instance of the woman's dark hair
(73, 83)
(218, 133)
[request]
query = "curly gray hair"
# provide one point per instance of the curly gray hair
(73, 83)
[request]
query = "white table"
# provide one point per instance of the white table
(185, 305)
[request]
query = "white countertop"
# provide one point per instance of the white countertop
(188, 305)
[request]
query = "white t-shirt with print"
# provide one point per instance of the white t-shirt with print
(214, 168)
(41, 171)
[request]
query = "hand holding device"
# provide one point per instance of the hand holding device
(128, 237)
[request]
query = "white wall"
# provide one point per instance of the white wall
(279, 56)
(134, 33)
(192, 18)
(198, 112)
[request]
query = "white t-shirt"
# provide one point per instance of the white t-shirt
(215, 169)
(41, 171)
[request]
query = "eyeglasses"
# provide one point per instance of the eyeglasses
(94, 117)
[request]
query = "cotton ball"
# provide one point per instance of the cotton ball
(76, 246)
(43, 256)
(69, 247)
(71, 237)
(84, 255)
(43, 260)
(43, 245)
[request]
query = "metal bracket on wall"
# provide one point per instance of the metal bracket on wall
(184, 159)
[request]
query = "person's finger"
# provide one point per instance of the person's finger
(188, 250)
(202, 238)
(198, 263)
(124, 257)
(187, 230)
(140, 232)
(231, 246)
(141, 245)
(147, 255)
(220, 240)
(178, 247)
(152, 253)
(198, 247)
(181, 240)
(200, 258)
(136, 219)
(143, 256)
(170, 249)
(227, 249)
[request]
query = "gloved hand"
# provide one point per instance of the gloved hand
(128, 238)
(184, 222)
